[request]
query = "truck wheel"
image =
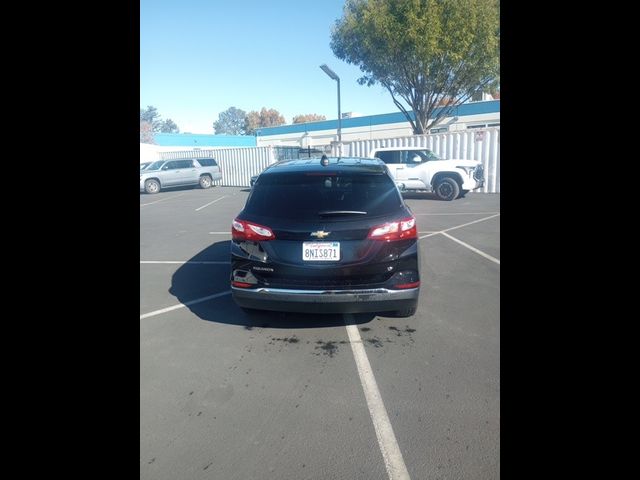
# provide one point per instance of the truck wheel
(151, 186)
(447, 189)
(205, 181)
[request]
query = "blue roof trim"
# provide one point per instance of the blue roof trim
(203, 140)
(475, 108)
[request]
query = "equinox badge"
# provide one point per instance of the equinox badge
(320, 234)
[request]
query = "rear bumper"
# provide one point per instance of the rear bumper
(326, 301)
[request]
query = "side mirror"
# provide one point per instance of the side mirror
(166, 167)
(416, 159)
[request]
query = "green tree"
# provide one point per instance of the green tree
(169, 126)
(230, 122)
(264, 118)
(425, 52)
(146, 132)
(152, 117)
(311, 117)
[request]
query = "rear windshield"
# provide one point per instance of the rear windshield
(303, 195)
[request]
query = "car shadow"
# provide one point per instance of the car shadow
(195, 280)
(183, 188)
(423, 196)
(420, 195)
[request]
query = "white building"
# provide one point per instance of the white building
(470, 115)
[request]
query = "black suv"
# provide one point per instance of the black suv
(326, 236)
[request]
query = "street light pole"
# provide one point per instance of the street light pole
(339, 115)
(333, 75)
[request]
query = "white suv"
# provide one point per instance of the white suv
(180, 172)
(419, 169)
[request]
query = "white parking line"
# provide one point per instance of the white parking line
(391, 454)
(163, 199)
(460, 226)
(429, 235)
(468, 213)
(180, 262)
(473, 249)
(200, 208)
(182, 305)
(470, 223)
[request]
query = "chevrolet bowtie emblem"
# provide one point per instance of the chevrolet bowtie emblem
(320, 234)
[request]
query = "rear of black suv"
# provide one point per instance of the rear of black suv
(326, 237)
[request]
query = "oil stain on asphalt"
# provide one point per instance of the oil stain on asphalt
(329, 348)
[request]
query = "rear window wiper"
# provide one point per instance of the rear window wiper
(329, 213)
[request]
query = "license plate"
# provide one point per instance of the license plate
(321, 251)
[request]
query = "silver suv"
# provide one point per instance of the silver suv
(178, 173)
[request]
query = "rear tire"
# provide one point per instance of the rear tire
(447, 189)
(205, 182)
(151, 186)
(403, 313)
(406, 312)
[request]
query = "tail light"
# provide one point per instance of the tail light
(404, 286)
(400, 230)
(406, 279)
(242, 230)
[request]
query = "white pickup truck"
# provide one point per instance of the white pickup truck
(419, 169)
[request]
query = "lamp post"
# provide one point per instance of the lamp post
(333, 75)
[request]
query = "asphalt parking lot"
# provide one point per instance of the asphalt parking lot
(270, 395)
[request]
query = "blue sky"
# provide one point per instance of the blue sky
(198, 58)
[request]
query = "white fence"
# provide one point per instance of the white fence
(473, 144)
(238, 164)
